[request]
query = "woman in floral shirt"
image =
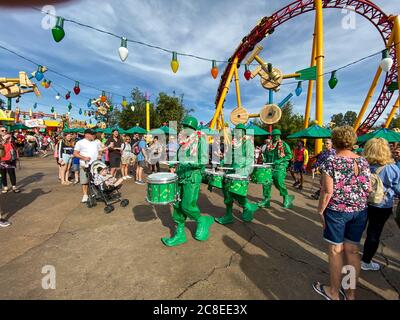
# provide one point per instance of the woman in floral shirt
(342, 207)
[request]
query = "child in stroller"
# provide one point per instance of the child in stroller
(104, 187)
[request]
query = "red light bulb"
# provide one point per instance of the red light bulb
(76, 88)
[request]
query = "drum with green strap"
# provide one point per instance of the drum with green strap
(261, 173)
(215, 178)
(162, 188)
(237, 184)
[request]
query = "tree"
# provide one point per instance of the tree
(170, 108)
(128, 118)
(167, 108)
(349, 118)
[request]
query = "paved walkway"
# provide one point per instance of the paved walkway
(120, 256)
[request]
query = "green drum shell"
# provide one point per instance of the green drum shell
(216, 180)
(261, 175)
(162, 193)
(237, 186)
(205, 177)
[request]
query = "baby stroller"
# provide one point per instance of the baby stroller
(106, 194)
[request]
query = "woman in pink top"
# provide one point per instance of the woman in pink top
(342, 208)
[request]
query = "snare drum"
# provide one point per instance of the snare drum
(215, 178)
(261, 174)
(162, 188)
(237, 184)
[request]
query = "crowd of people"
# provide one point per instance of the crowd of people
(356, 193)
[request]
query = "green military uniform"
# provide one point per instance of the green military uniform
(280, 165)
(189, 173)
(242, 163)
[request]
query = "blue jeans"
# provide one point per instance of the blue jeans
(344, 226)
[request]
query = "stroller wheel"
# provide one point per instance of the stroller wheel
(108, 209)
(91, 202)
(124, 203)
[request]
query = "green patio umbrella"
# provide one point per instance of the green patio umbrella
(110, 130)
(389, 135)
(208, 131)
(157, 131)
(19, 126)
(99, 130)
(313, 132)
(78, 130)
(256, 130)
(136, 129)
(168, 130)
(68, 130)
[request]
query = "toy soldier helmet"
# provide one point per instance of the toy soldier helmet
(240, 126)
(190, 122)
(276, 132)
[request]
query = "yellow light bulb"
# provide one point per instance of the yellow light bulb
(174, 62)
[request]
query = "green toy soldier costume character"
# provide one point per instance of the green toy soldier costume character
(192, 157)
(279, 154)
(242, 164)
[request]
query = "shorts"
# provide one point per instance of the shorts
(344, 226)
(142, 164)
(298, 167)
(75, 167)
(115, 162)
(66, 158)
(83, 176)
(126, 160)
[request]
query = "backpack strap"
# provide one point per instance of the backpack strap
(379, 170)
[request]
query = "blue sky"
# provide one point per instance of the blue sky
(207, 28)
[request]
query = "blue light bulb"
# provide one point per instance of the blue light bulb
(299, 89)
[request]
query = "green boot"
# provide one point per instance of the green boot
(178, 238)
(227, 218)
(248, 212)
(203, 225)
(288, 201)
(264, 204)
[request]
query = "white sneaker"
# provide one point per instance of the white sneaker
(85, 198)
(372, 266)
(124, 178)
(128, 177)
(4, 223)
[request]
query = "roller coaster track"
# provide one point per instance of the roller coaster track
(365, 8)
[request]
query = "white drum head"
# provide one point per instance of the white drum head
(236, 177)
(162, 178)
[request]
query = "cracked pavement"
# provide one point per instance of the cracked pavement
(120, 256)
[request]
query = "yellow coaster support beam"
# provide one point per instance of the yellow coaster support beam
(372, 89)
(224, 93)
(310, 82)
(396, 39)
(397, 48)
(147, 114)
(239, 101)
(319, 112)
(392, 113)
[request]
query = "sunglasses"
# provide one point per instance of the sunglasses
(3, 130)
